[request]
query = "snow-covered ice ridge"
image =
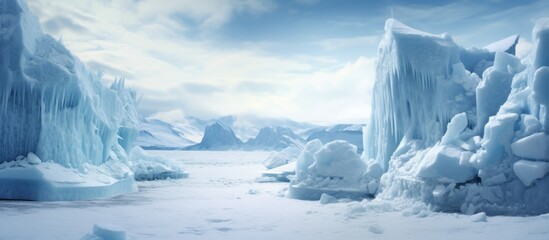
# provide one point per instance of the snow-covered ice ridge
(77, 134)
(445, 136)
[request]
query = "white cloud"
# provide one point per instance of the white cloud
(146, 42)
(339, 43)
(172, 116)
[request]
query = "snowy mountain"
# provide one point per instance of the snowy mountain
(274, 138)
(247, 126)
(218, 137)
(157, 134)
(174, 130)
(351, 133)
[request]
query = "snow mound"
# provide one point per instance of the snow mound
(334, 169)
(441, 135)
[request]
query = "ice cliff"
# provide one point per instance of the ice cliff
(443, 135)
(63, 134)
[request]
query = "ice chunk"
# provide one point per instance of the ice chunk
(494, 88)
(442, 163)
(540, 35)
(106, 232)
(149, 167)
(455, 127)
(507, 45)
(535, 146)
(530, 171)
(505, 62)
(335, 169)
(279, 158)
(338, 159)
(498, 133)
(281, 173)
(327, 199)
(541, 91)
(479, 217)
(528, 125)
(439, 191)
(33, 159)
(306, 157)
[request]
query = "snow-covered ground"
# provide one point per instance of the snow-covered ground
(223, 198)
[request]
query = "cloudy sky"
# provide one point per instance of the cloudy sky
(309, 60)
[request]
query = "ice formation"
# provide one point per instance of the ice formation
(76, 133)
(446, 137)
(351, 133)
(283, 157)
(334, 168)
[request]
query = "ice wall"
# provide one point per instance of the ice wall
(50, 103)
(420, 84)
(493, 155)
(77, 133)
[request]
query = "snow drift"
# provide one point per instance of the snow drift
(76, 133)
(444, 136)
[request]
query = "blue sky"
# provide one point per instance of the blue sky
(310, 60)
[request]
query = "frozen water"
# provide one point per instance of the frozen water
(414, 71)
(215, 204)
(75, 132)
(491, 156)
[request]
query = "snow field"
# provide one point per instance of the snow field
(222, 199)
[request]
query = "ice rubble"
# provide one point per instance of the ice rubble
(75, 132)
(444, 136)
(334, 169)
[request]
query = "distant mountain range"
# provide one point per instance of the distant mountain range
(238, 133)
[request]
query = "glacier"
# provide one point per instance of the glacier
(457, 138)
(64, 135)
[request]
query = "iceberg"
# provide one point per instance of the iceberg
(440, 134)
(64, 135)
